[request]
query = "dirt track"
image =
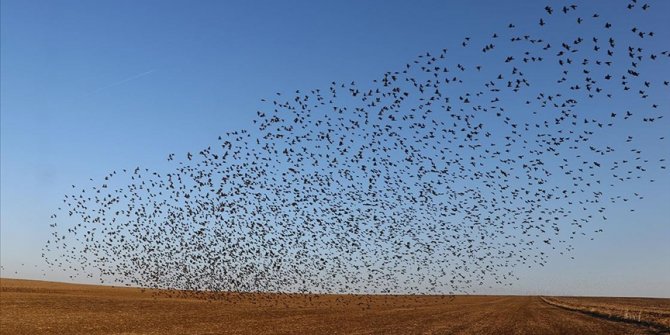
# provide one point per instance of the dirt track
(31, 307)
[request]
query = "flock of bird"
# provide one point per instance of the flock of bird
(443, 176)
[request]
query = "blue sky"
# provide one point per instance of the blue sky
(88, 87)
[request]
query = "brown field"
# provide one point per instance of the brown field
(36, 307)
(651, 312)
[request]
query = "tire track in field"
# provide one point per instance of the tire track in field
(658, 329)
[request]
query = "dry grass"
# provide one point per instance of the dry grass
(652, 312)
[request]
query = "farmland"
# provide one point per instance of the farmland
(36, 307)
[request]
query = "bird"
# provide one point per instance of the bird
(437, 176)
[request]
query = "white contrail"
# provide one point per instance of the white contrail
(124, 80)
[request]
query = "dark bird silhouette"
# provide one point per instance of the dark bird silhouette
(436, 177)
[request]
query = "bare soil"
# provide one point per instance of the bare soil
(38, 307)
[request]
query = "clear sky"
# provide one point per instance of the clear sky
(88, 87)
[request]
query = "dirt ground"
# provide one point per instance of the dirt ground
(37, 307)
